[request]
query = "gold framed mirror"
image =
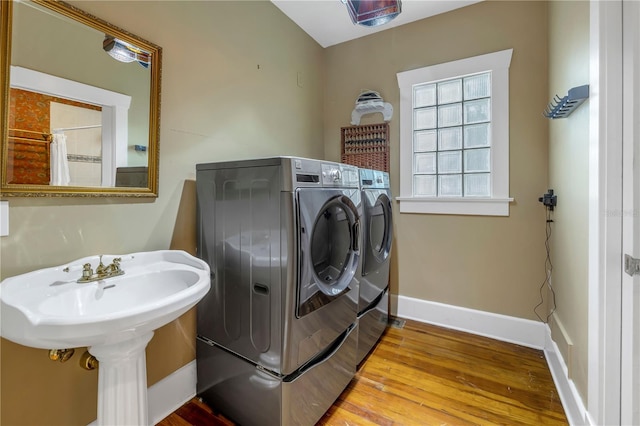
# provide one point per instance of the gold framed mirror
(80, 104)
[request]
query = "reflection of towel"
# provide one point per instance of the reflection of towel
(59, 163)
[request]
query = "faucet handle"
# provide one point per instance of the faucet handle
(87, 272)
(115, 264)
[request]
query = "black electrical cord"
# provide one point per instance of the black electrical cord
(548, 269)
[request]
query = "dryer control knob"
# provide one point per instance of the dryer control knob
(335, 174)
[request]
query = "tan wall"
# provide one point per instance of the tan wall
(493, 264)
(569, 177)
(229, 90)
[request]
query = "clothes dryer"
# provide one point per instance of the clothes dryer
(377, 236)
(276, 333)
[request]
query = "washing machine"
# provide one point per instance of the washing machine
(276, 334)
(377, 236)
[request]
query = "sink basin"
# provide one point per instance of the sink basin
(48, 309)
(115, 317)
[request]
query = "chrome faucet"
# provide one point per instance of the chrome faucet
(102, 271)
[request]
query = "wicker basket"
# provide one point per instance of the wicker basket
(366, 146)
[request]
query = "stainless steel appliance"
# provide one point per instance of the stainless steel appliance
(377, 235)
(276, 333)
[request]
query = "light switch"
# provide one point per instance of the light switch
(4, 218)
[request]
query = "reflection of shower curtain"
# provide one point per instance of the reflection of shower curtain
(59, 163)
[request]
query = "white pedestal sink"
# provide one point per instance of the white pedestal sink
(115, 317)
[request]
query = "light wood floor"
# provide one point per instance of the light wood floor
(425, 375)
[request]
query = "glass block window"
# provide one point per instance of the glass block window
(452, 137)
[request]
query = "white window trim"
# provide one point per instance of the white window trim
(496, 205)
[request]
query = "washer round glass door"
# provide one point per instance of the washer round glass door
(378, 232)
(328, 246)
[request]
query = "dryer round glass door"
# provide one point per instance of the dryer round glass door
(378, 232)
(328, 250)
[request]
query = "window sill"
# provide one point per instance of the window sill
(458, 206)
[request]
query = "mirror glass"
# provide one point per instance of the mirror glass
(80, 104)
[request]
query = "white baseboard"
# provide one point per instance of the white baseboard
(500, 327)
(533, 334)
(172, 392)
(572, 403)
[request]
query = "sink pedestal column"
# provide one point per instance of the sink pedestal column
(122, 382)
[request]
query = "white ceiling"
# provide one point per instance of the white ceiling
(328, 22)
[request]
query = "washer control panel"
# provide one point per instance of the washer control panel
(339, 175)
(374, 179)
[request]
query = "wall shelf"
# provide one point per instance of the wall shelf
(563, 107)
